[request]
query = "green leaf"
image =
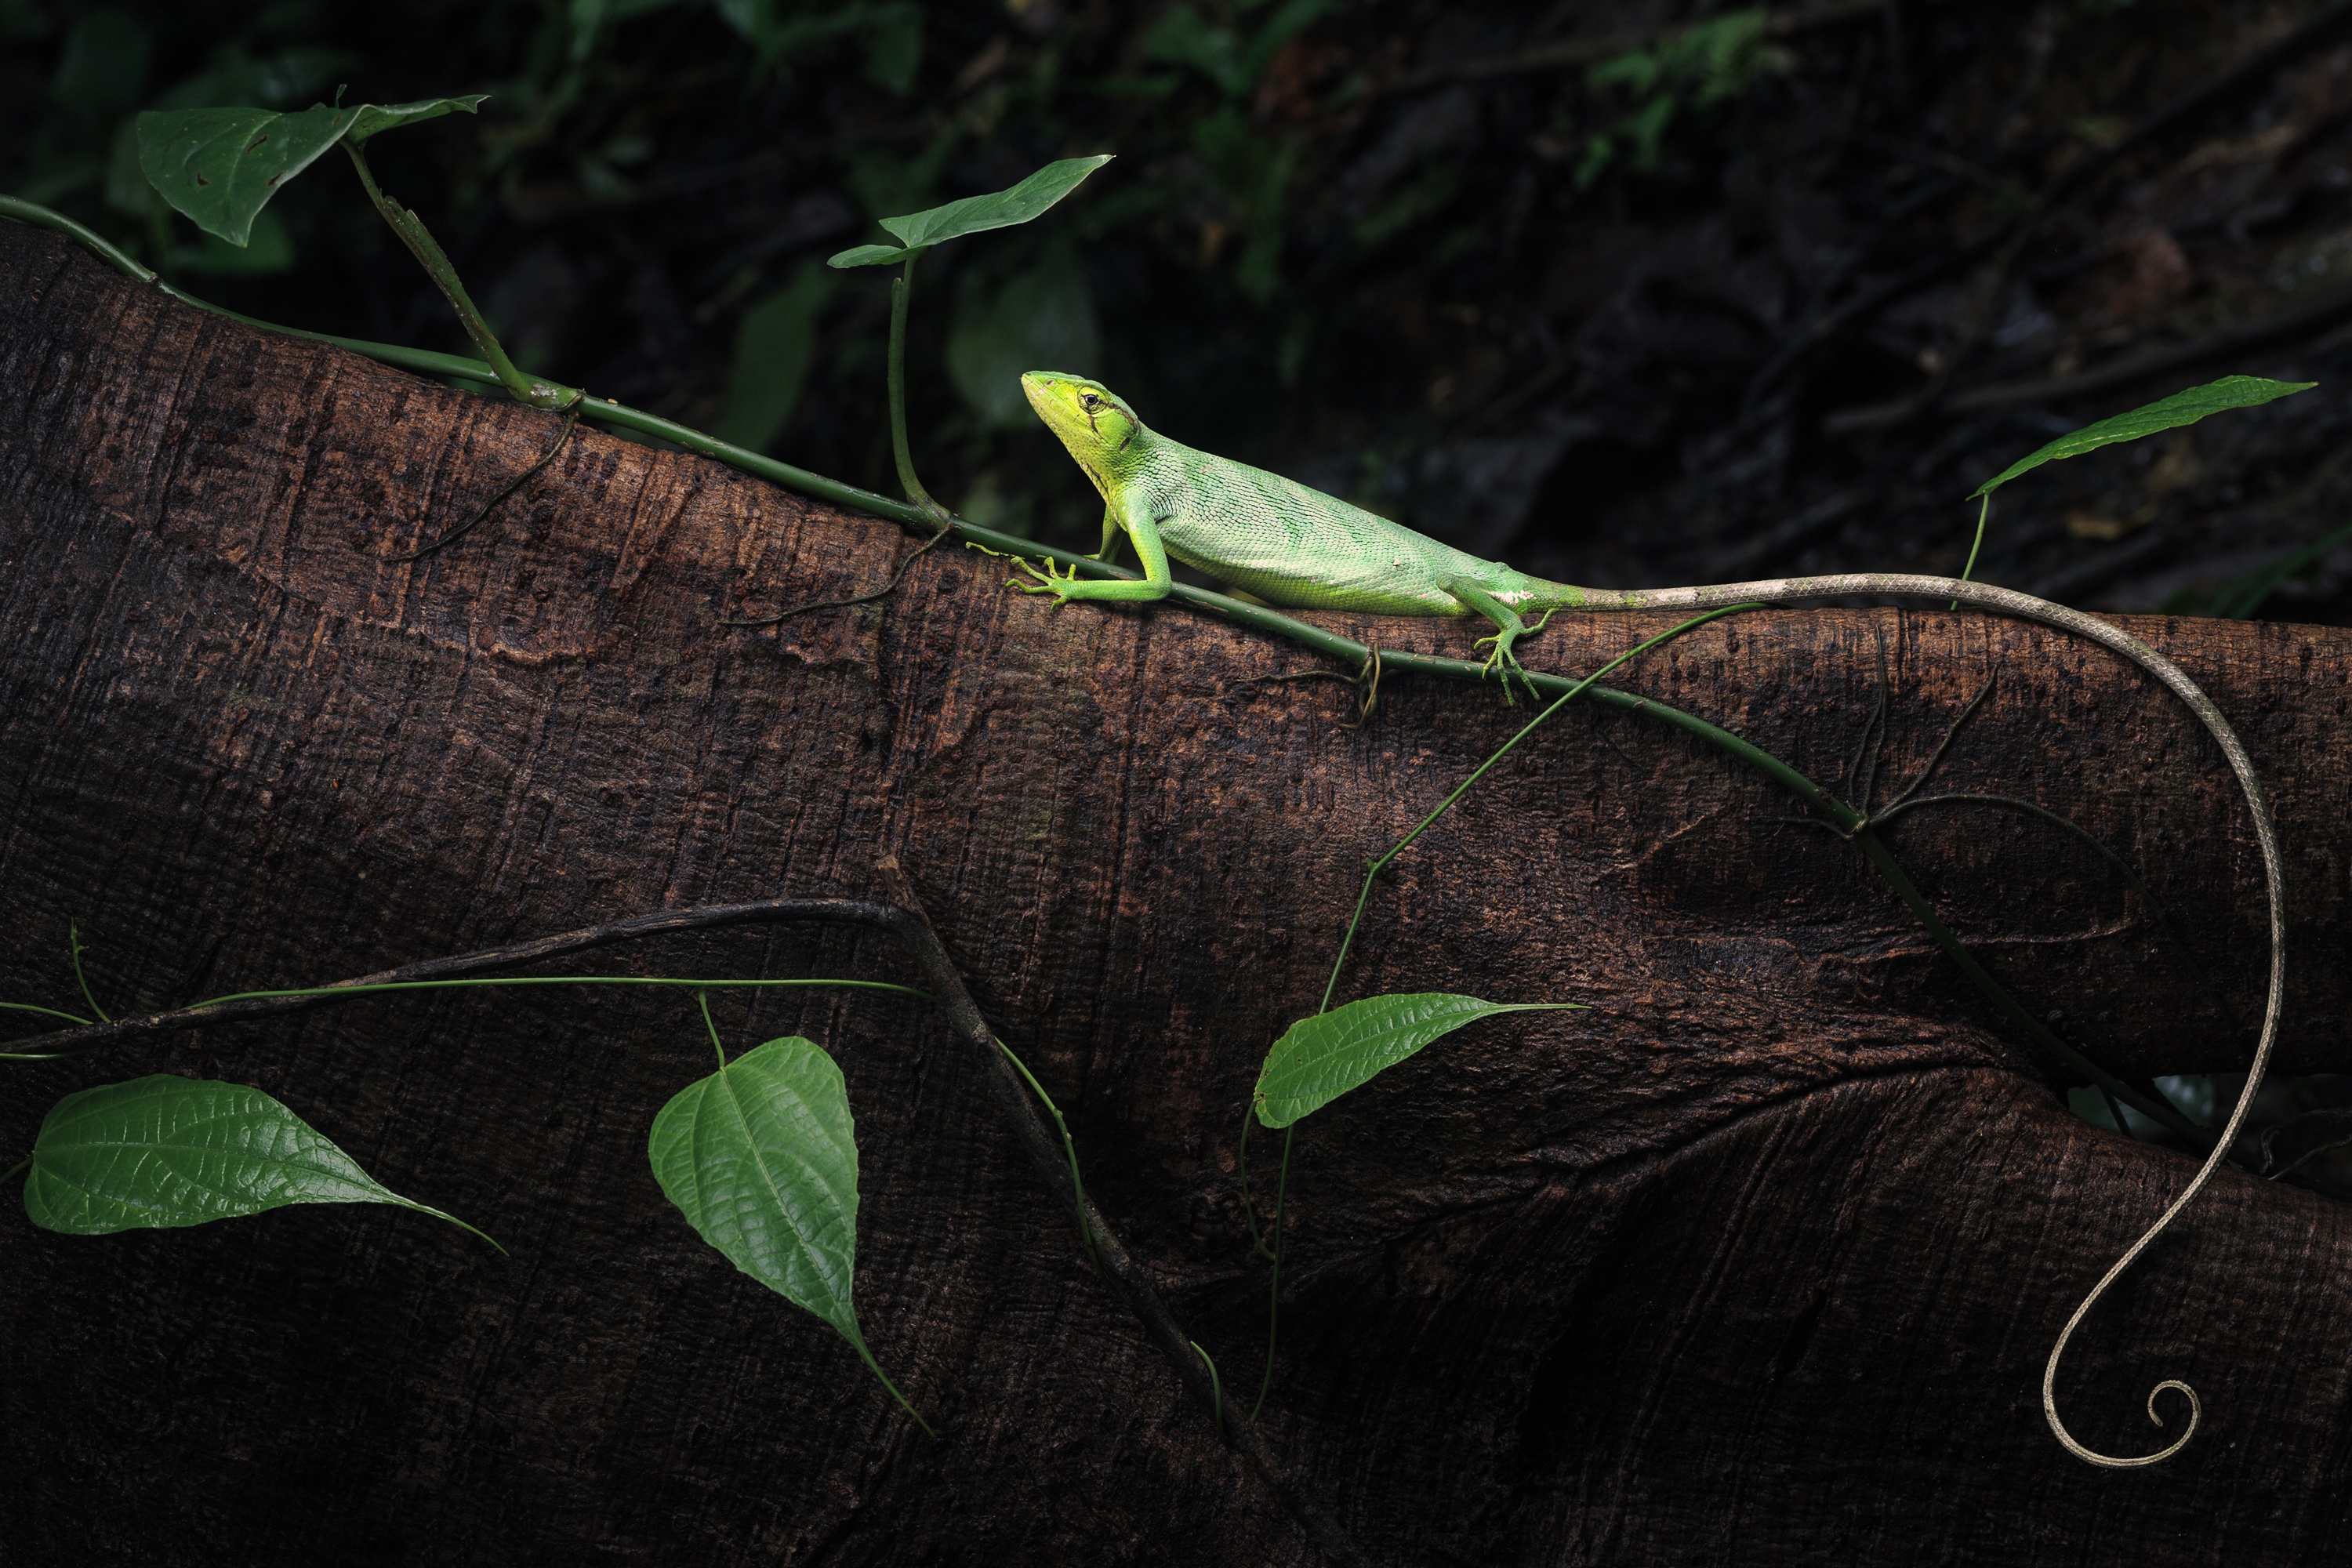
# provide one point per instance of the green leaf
(761, 1158)
(221, 166)
(1322, 1057)
(772, 349)
(374, 118)
(999, 209)
(2166, 414)
(872, 255)
(167, 1150)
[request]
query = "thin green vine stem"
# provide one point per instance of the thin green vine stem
(1273, 1303)
(1069, 1148)
(1258, 618)
(702, 986)
(1983, 512)
(22, 1164)
(74, 950)
(522, 387)
(1364, 895)
(902, 290)
(48, 1013)
(1216, 1385)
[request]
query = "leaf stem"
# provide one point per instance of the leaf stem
(876, 1368)
(74, 950)
(522, 388)
(902, 288)
(21, 1165)
(1216, 1383)
(1983, 512)
(702, 1000)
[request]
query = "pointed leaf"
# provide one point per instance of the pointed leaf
(1322, 1057)
(762, 1160)
(872, 255)
(1000, 209)
(2181, 408)
(377, 118)
(220, 166)
(167, 1150)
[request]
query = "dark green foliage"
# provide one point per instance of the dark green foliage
(167, 1150)
(1322, 1057)
(2166, 414)
(762, 1158)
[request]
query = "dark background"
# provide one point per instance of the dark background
(1624, 304)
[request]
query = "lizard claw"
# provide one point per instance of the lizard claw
(1044, 582)
(1502, 660)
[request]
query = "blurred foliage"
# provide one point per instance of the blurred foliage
(1713, 63)
(1565, 315)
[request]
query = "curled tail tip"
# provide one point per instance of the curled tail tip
(2112, 1462)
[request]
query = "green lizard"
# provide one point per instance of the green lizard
(1272, 538)
(1280, 542)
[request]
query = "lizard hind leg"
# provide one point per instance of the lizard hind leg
(1508, 629)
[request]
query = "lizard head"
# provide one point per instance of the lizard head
(1093, 421)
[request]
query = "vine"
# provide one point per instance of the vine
(759, 1156)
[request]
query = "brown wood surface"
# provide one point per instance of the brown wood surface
(1755, 1261)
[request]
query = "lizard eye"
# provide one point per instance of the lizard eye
(1090, 401)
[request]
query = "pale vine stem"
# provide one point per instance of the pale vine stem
(1780, 591)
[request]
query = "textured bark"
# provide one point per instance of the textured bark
(1756, 1260)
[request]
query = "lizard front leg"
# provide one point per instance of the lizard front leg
(1142, 528)
(1109, 551)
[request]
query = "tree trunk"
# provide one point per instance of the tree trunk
(1756, 1259)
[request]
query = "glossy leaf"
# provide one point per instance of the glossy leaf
(761, 1158)
(972, 214)
(221, 166)
(2181, 408)
(1322, 1057)
(374, 118)
(167, 1150)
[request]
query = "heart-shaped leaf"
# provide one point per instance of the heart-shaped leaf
(999, 209)
(221, 166)
(2166, 414)
(168, 1151)
(761, 1158)
(1320, 1059)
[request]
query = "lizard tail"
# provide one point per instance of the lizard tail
(2004, 602)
